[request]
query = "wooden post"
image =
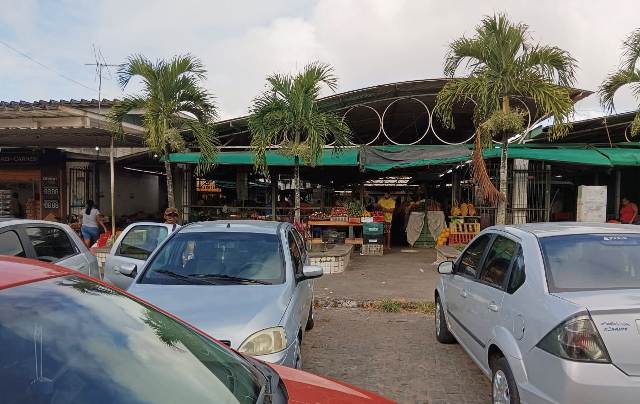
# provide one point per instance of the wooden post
(617, 196)
(113, 190)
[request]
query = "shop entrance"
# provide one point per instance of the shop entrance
(20, 193)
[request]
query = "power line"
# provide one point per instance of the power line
(45, 66)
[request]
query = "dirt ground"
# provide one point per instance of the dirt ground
(393, 354)
(396, 275)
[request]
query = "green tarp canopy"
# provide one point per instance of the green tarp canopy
(345, 157)
(384, 158)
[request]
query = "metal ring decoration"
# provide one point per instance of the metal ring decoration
(433, 130)
(428, 121)
(625, 133)
(379, 121)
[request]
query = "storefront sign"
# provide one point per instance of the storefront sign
(19, 158)
(207, 186)
(50, 193)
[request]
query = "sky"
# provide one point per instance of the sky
(368, 42)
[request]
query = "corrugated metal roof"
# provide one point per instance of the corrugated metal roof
(52, 104)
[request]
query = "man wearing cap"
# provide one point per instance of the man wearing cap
(171, 217)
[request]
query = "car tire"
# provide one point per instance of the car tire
(504, 389)
(298, 355)
(442, 331)
(310, 322)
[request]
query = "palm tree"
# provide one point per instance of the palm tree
(176, 108)
(627, 74)
(501, 65)
(288, 115)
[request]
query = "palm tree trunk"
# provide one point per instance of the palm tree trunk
(296, 184)
(167, 167)
(501, 213)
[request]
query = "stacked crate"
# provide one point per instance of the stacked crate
(373, 238)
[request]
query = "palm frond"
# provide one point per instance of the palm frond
(463, 51)
(613, 83)
(554, 64)
(631, 51)
(287, 114)
(137, 65)
(120, 110)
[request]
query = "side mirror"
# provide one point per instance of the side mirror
(445, 267)
(312, 271)
(129, 270)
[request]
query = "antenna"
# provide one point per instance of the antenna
(100, 63)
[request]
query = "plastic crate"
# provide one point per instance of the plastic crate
(373, 228)
(372, 249)
(460, 238)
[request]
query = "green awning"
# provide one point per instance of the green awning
(344, 157)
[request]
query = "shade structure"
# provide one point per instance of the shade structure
(330, 157)
(385, 158)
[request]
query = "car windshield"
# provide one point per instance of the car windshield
(71, 340)
(592, 261)
(217, 258)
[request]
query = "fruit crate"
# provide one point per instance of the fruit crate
(372, 249)
(460, 238)
(464, 228)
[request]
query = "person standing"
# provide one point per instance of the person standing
(171, 217)
(387, 205)
(628, 211)
(91, 219)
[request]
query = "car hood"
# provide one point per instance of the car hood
(304, 387)
(225, 312)
(616, 315)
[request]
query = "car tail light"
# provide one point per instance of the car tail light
(576, 339)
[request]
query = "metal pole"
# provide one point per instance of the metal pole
(547, 192)
(274, 195)
(113, 191)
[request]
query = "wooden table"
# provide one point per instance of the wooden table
(331, 223)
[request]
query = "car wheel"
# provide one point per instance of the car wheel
(504, 389)
(298, 354)
(310, 322)
(442, 331)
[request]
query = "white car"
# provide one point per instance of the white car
(49, 242)
(131, 250)
(550, 312)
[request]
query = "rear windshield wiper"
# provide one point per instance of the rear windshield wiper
(187, 278)
(229, 278)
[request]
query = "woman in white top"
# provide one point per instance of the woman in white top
(91, 219)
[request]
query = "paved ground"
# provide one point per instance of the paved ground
(393, 354)
(398, 275)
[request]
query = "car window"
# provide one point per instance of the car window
(296, 255)
(140, 241)
(50, 243)
(499, 258)
(217, 257)
(71, 340)
(10, 244)
(591, 261)
(470, 259)
(518, 275)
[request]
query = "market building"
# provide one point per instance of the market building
(54, 156)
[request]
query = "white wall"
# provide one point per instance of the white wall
(135, 192)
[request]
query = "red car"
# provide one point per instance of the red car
(67, 338)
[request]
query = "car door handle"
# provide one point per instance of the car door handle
(493, 307)
(464, 293)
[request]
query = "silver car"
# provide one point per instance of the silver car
(131, 250)
(550, 312)
(246, 283)
(47, 241)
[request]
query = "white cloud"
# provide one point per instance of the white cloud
(368, 41)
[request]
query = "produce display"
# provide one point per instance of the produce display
(354, 209)
(443, 237)
(318, 216)
(464, 209)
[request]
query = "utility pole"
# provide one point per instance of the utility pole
(101, 64)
